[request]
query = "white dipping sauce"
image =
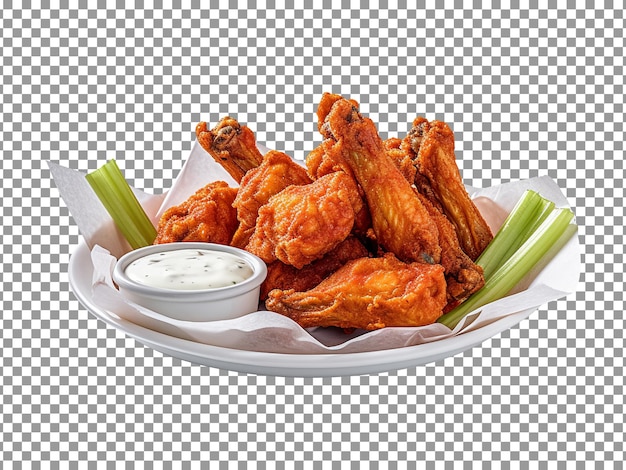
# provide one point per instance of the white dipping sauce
(189, 269)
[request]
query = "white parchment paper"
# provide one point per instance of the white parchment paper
(267, 331)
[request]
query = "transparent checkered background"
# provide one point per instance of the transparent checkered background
(529, 91)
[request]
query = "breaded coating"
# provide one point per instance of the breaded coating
(303, 223)
(319, 164)
(402, 159)
(276, 172)
(231, 145)
(206, 216)
(284, 276)
(463, 276)
(368, 293)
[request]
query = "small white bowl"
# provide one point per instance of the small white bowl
(221, 303)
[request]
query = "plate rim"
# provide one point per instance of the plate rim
(280, 364)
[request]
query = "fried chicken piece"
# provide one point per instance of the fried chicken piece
(206, 216)
(285, 276)
(368, 293)
(303, 223)
(463, 276)
(231, 145)
(438, 177)
(276, 172)
(399, 220)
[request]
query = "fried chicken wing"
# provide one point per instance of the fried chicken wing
(276, 172)
(303, 223)
(206, 216)
(399, 220)
(439, 179)
(368, 293)
(285, 276)
(231, 145)
(318, 161)
(463, 276)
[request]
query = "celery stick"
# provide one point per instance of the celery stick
(542, 211)
(525, 217)
(121, 203)
(516, 267)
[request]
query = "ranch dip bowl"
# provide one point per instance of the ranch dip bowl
(192, 281)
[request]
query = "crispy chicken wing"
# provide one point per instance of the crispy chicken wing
(318, 161)
(399, 220)
(463, 276)
(303, 223)
(440, 180)
(368, 293)
(276, 172)
(231, 145)
(285, 276)
(206, 216)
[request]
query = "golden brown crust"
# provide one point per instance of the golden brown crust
(400, 222)
(284, 276)
(401, 158)
(276, 172)
(206, 216)
(463, 276)
(368, 293)
(302, 223)
(413, 141)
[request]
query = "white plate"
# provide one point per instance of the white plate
(293, 365)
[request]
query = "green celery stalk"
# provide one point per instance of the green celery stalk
(504, 279)
(529, 212)
(121, 203)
